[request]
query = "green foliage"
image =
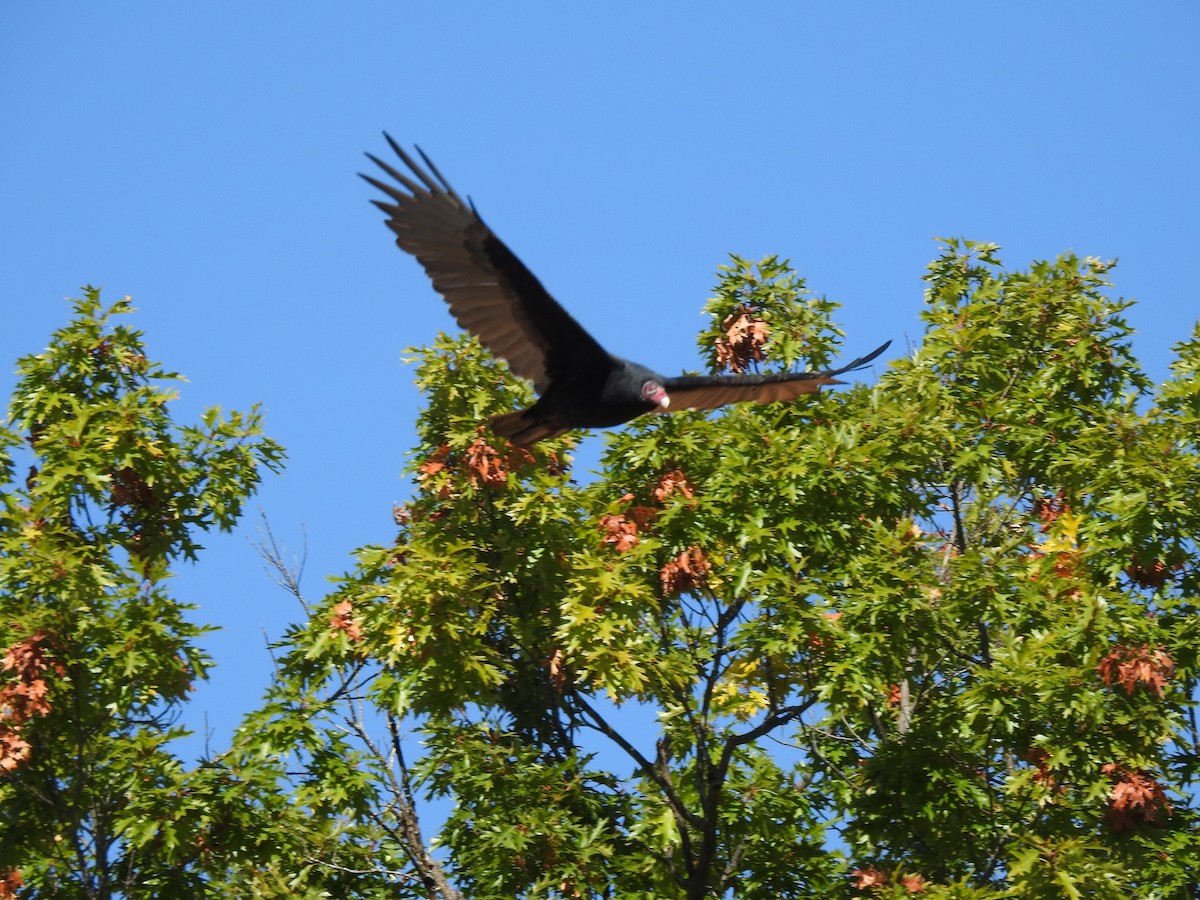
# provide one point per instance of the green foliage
(935, 636)
(99, 656)
(798, 323)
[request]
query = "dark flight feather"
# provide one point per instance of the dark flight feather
(711, 391)
(495, 297)
(490, 292)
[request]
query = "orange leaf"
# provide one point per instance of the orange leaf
(1154, 575)
(1135, 798)
(9, 882)
(671, 483)
(484, 465)
(685, 572)
(1047, 509)
(913, 884)
(1130, 666)
(743, 341)
(343, 620)
(868, 878)
(618, 531)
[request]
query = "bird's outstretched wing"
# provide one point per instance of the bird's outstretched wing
(489, 290)
(711, 391)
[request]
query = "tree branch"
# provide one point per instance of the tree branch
(602, 725)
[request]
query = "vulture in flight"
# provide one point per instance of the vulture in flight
(497, 299)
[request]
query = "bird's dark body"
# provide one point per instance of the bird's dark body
(601, 397)
(495, 297)
(598, 397)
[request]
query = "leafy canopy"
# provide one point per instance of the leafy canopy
(98, 656)
(934, 636)
(937, 635)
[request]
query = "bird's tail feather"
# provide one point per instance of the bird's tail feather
(523, 430)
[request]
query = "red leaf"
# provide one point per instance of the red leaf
(484, 465)
(9, 882)
(1048, 509)
(1154, 575)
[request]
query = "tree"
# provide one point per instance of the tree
(934, 636)
(98, 656)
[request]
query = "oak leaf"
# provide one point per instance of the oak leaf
(869, 878)
(484, 465)
(1135, 799)
(671, 483)
(913, 884)
(618, 531)
(10, 881)
(343, 620)
(743, 341)
(1131, 666)
(685, 572)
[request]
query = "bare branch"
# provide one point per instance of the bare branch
(273, 554)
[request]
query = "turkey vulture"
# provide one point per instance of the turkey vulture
(497, 299)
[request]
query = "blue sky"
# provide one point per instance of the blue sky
(202, 159)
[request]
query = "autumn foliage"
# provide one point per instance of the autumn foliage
(685, 572)
(10, 884)
(1134, 667)
(872, 880)
(740, 347)
(24, 695)
(1135, 799)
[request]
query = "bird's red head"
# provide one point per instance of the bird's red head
(653, 392)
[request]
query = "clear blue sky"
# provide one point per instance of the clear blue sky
(201, 158)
